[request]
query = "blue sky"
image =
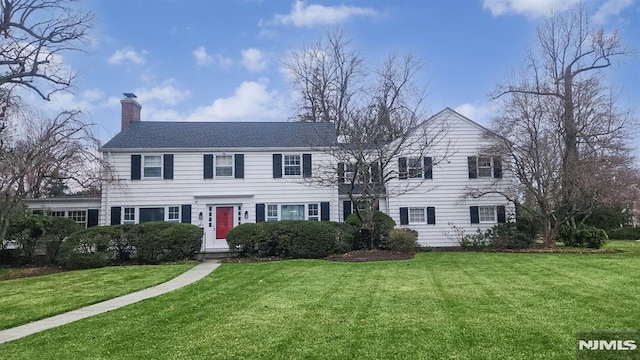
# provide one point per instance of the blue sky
(222, 60)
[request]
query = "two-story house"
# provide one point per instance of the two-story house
(221, 174)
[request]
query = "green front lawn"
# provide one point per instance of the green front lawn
(458, 305)
(33, 298)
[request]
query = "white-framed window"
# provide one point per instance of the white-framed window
(174, 214)
(292, 165)
(414, 167)
(129, 215)
(56, 213)
(485, 168)
(152, 166)
(313, 212)
(349, 172)
(487, 214)
(224, 165)
(417, 216)
(291, 212)
(272, 212)
(79, 216)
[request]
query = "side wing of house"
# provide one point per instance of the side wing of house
(216, 189)
(429, 194)
(83, 210)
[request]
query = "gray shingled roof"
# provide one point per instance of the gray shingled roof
(170, 135)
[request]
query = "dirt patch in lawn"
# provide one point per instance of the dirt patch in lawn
(370, 255)
(17, 273)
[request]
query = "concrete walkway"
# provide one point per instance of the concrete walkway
(198, 272)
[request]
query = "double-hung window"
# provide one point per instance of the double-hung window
(313, 212)
(152, 166)
(485, 169)
(272, 212)
(487, 214)
(79, 217)
(417, 216)
(174, 214)
(415, 167)
(224, 165)
(129, 215)
(292, 165)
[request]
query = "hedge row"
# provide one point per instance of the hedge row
(152, 242)
(624, 233)
(291, 238)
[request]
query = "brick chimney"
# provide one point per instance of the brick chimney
(130, 110)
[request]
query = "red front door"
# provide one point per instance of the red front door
(224, 221)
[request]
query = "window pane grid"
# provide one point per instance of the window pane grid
(416, 215)
(272, 212)
(487, 214)
(292, 165)
(415, 168)
(224, 165)
(152, 166)
(129, 215)
(484, 166)
(174, 213)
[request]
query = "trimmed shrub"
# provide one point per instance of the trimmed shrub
(56, 230)
(511, 236)
(245, 239)
(583, 236)
(88, 248)
(624, 233)
(401, 240)
(294, 238)
(477, 241)
(161, 241)
(382, 224)
(79, 260)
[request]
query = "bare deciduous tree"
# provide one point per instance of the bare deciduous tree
(559, 125)
(377, 114)
(40, 148)
(33, 36)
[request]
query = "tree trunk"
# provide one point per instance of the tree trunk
(570, 159)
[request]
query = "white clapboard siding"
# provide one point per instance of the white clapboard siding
(188, 185)
(446, 191)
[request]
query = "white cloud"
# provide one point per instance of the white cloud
(303, 15)
(254, 60)
(93, 94)
(224, 62)
(202, 58)
(128, 55)
(531, 8)
(251, 101)
(480, 113)
(167, 93)
(610, 8)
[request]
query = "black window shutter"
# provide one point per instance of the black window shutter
(92, 217)
(375, 172)
(167, 165)
(324, 211)
(239, 166)
(428, 167)
(404, 216)
(346, 209)
(208, 166)
(497, 167)
(402, 168)
(475, 216)
(116, 211)
(260, 212)
(136, 165)
(185, 216)
(277, 166)
(502, 215)
(340, 173)
(473, 169)
(306, 165)
(431, 215)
